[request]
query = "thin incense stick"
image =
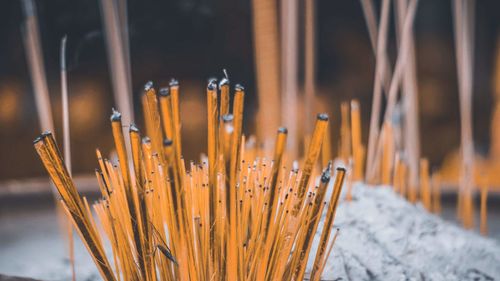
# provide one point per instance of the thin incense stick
(371, 23)
(377, 90)
(495, 122)
(212, 156)
(32, 45)
(388, 154)
(425, 188)
(117, 56)
(65, 106)
(483, 227)
(464, 37)
(121, 7)
(436, 193)
(410, 101)
(67, 143)
(309, 62)
(356, 141)
(266, 46)
(289, 72)
(345, 147)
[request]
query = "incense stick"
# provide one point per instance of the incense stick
(377, 90)
(357, 149)
(309, 62)
(266, 50)
(464, 37)
(425, 188)
(371, 23)
(289, 72)
(409, 99)
(117, 55)
(67, 144)
(36, 66)
(483, 227)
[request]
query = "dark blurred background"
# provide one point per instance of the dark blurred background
(193, 40)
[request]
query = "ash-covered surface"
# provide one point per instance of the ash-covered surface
(31, 246)
(383, 237)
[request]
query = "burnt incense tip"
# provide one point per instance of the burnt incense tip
(227, 118)
(46, 134)
(38, 139)
(148, 86)
(167, 142)
(239, 87)
(133, 128)
(173, 83)
(212, 85)
(325, 176)
(164, 92)
(42, 136)
(223, 82)
(322, 117)
(116, 116)
(283, 130)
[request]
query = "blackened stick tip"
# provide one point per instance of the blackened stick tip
(116, 116)
(223, 82)
(283, 130)
(173, 83)
(227, 118)
(322, 116)
(239, 87)
(212, 85)
(148, 86)
(133, 128)
(164, 92)
(325, 176)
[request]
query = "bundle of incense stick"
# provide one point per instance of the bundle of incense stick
(235, 216)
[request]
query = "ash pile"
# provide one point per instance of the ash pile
(384, 237)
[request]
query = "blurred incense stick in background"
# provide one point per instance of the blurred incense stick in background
(289, 73)
(114, 15)
(267, 61)
(67, 143)
(377, 89)
(464, 45)
(309, 63)
(409, 97)
(32, 45)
